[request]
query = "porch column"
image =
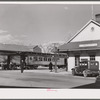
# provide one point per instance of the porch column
(66, 64)
(71, 63)
(8, 61)
(22, 62)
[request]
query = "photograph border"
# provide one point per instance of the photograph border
(27, 94)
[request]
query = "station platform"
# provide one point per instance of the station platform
(41, 69)
(46, 70)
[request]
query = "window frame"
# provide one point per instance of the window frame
(77, 60)
(92, 57)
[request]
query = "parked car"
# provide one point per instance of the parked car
(86, 68)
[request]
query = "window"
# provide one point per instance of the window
(31, 58)
(77, 59)
(92, 57)
(45, 59)
(35, 58)
(40, 58)
(49, 59)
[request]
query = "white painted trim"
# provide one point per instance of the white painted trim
(50, 2)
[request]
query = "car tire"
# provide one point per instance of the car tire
(73, 72)
(85, 73)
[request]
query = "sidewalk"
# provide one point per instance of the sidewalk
(47, 71)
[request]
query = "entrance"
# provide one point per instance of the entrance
(77, 60)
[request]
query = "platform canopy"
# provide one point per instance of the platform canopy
(13, 49)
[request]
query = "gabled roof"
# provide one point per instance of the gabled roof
(31, 47)
(35, 48)
(75, 45)
(91, 21)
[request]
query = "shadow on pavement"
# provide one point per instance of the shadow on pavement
(88, 86)
(95, 85)
(22, 87)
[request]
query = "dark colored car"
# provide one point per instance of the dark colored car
(87, 68)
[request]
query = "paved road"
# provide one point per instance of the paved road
(42, 78)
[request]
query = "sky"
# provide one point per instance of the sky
(35, 24)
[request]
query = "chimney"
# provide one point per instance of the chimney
(97, 18)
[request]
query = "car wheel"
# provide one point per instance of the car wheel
(85, 73)
(73, 72)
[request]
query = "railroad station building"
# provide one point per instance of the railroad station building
(84, 45)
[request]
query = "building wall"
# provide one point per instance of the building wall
(71, 63)
(71, 59)
(98, 58)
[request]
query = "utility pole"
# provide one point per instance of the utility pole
(55, 58)
(55, 62)
(92, 11)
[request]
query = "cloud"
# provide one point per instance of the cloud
(2, 31)
(9, 39)
(21, 36)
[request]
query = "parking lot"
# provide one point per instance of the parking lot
(43, 78)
